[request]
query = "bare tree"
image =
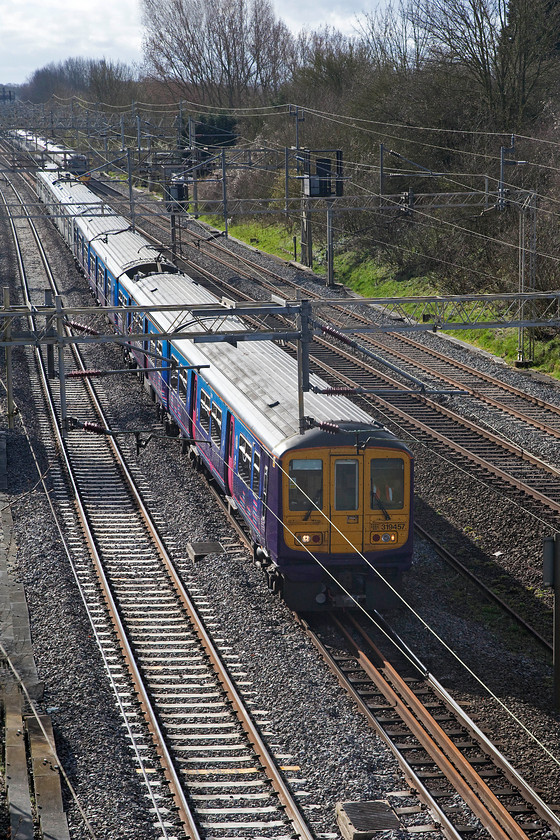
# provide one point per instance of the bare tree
(105, 81)
(502, 47)
(112, 82)
(223, 53)
(329, 64)
(393, 39)
(63, 78)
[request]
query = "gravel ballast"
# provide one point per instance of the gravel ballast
(313, 721)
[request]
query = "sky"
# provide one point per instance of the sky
(34, 33)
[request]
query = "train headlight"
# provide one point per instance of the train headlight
(310, 539)
(387, 537)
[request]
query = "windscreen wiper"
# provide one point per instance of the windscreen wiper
(313, 505)
(375, 497)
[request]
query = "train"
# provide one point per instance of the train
(329, 511)
(66, 159)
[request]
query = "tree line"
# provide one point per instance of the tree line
(444, 82)
(493, 62)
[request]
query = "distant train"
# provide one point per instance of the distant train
(326, 511)
(67, 159)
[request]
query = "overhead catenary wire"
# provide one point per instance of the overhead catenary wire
(358, 553)
(404, 602)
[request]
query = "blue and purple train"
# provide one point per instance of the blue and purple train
(329, 513)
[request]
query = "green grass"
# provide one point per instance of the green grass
(503, 343)
(273, 239)
(372, 279)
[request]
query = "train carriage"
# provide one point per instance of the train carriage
(327, 511)
(62, 157)
(339, 500)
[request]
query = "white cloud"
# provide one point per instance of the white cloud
(36, 33)
(308, 14)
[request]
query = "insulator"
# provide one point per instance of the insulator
(83, 373)
(335, 334)
(331, 392)
(82, 328)
(331, 428)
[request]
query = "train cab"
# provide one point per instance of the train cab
(350, 506)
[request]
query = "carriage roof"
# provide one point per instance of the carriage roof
(257, 379)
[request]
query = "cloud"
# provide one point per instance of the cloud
(35, 33)
(307, 14)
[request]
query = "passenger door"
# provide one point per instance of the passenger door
(230, 454)
(346, 503)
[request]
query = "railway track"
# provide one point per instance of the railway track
(441, 750)
(189, 725)
(534, 824)
(497, 460)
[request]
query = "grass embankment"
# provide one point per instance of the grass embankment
(371, 279)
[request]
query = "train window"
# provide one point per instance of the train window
(387, 483)
(183, 385)
(122, 302)
(265, 486)
(256, 473)
(306, 484)
(346, 486)
(205, 408)
(137, 323)
(216, 424)
(173, 375)
(159, 361)
(245, 453)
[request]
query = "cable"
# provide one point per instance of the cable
(405, 603)
(424, 623)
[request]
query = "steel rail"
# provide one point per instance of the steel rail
(268, 763)
(245, 719)
(489, 748)
(472, 389)
(413, 780)
(170, 773)
(495, 818)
